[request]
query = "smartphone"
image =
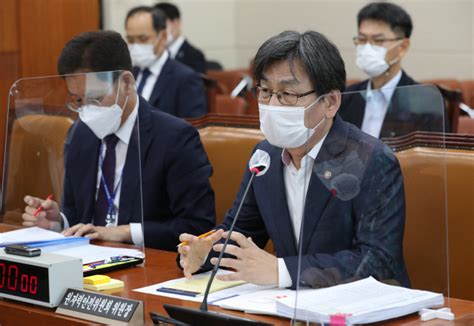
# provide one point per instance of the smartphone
(22, 250)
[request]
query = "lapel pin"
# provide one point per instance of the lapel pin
(327, 175)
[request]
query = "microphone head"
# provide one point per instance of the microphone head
(260, 162)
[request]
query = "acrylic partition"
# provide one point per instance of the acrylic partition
(370, 220)
(75, 139)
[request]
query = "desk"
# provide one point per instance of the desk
(161, 266)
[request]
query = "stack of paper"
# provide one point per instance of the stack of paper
(50, 241)
(361, 302)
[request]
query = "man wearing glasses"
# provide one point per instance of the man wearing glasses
(382, 42)
(332, 198)
(118, 138)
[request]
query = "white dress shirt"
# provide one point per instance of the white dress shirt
(174, 47)
(377, 104)
(155, 70)
(124, 133)
(296, 187)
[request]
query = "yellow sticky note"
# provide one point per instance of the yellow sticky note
(96, 279)
(113, 284)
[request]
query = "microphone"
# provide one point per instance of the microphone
(245, 83)
(258, 166)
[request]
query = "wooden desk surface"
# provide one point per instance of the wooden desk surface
(161, 266)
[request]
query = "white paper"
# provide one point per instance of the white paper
(213, 298)
(261, 302)
(92, 253)
(33, 234)
(363, 301)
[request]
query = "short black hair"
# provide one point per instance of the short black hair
(170, 10)
(95, 51)
(393, 15)
(158, 17)
(320, 58)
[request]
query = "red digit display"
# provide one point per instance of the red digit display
(12, 277)
(33, 284)
(24, 283)
(24, 280)
(2, 275)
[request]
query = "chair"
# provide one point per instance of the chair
(467, 87)
(34, 161)
(439, 210)
(466, 125)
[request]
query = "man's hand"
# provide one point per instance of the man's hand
(194, 253)
(119, 233)
(49, 217)
(252, 264)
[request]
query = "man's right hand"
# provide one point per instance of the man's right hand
(194, 253)
(49, 217)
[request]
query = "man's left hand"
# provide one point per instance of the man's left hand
(252, 264)
(119, 233)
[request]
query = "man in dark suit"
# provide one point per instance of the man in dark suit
(376, 105)
(164, 82)
(332, 196)
(178, 46)
(150, 163)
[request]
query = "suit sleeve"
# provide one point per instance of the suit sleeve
(68, 207)
(192, 101)
(191, 198)
(379, 218)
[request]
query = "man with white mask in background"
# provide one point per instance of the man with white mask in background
(383, 40)
(178, 45)
(103, 197)
(165, 83)
(331, 195)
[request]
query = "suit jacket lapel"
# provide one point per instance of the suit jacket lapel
(318, 193)
(130, 192)
(160, 84)
(279, 213)
(87, 173)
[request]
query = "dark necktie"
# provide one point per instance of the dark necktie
(108, 171)
(145, 75)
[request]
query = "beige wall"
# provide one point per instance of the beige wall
(230, 31)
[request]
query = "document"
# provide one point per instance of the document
(194, 291)
(92, 253)
(28, 235)
(360, 302)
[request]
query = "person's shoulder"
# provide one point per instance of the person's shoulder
(181, 68)
(362, 85)
(162, 121)
(406, 80)
(368, 145)
(191, 48)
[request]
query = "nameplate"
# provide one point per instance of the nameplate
(101, 308)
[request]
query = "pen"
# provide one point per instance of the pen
(40, 208)
(204, 235)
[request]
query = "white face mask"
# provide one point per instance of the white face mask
(283, 126)
(371, 59)
(143, 55)
(102, 120)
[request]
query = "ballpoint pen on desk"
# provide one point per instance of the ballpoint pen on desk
(202, 236)
(40, 207)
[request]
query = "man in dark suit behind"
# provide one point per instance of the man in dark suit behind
(332, 195)
(178, 46)
(376, 105)
(105, 198)
(164, 82)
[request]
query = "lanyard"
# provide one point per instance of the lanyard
(111, 211)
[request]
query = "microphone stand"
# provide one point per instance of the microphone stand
(203, 306)
(203, 316)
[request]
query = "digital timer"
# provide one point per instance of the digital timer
(41, 280)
